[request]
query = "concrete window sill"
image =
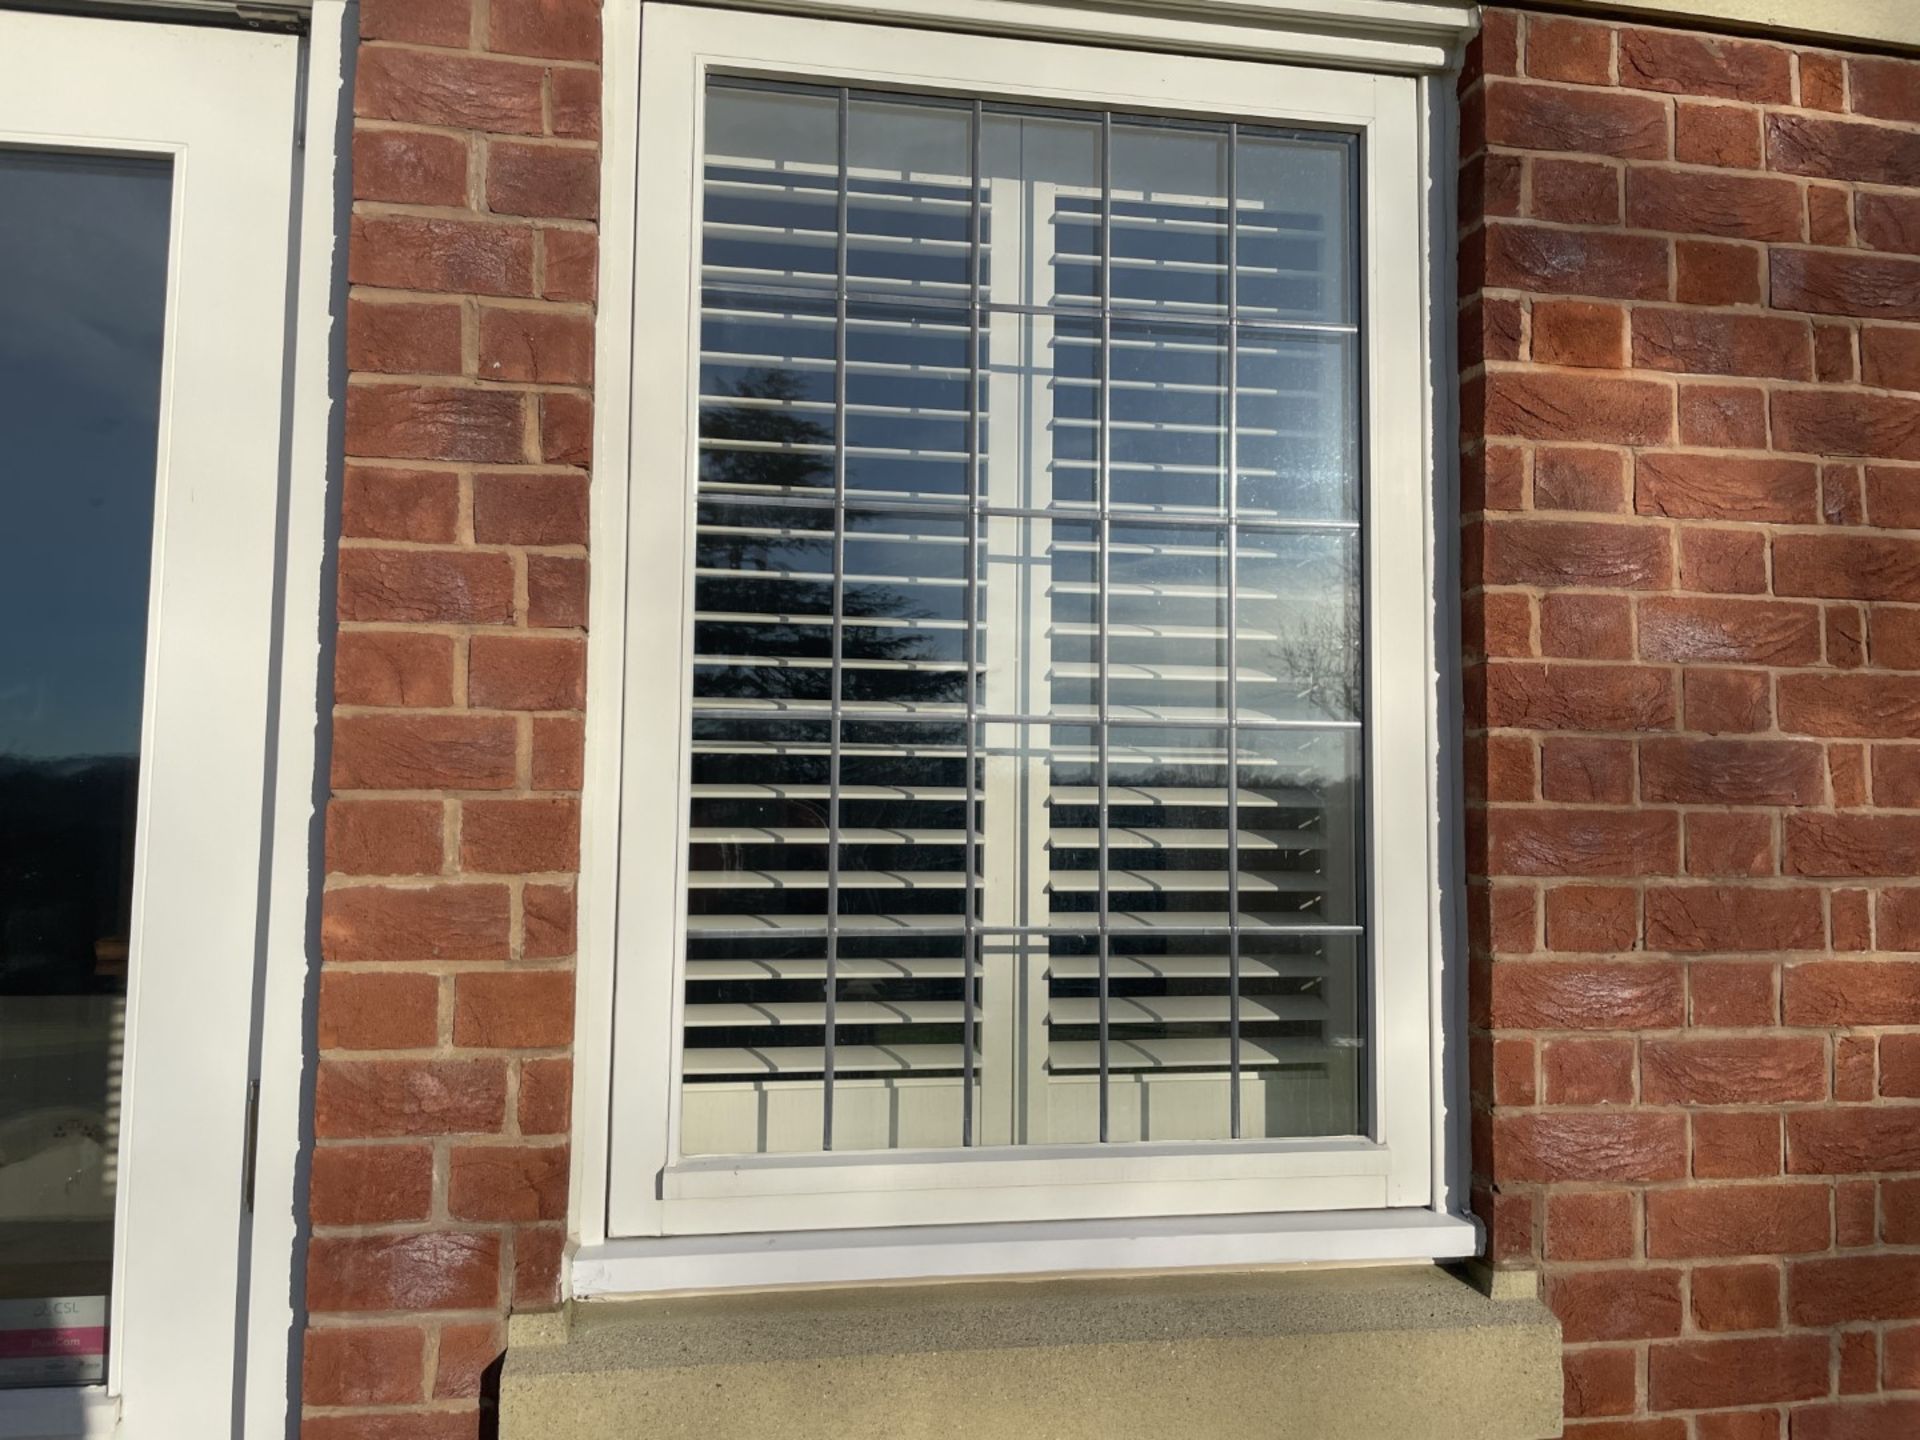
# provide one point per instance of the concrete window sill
(1374, 1354)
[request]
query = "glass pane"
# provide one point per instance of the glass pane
(1030, 640)
(83, 290)
(1296, 246)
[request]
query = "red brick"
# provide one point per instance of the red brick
(1579, 332)
(1614, 1304)
(1741, 1071)
(462, 1424)
(1892, 496)
(507, 1182)
(1853, 992)
(393, 668)
(548, 922)
(1858, 1420)
(537, 1255)
(576, 104)
(384, 837)
(1568, 477)
(1588, 1072)
(446, 23)
(1723, 417)
(1845, 844)
(1728, 561)
(566, 429)
(1699, 1374)
(1489, 185)
(1499, 623)
(1568, 552)
(573, 264)
(1888, 221)
(1842, 499)
(1709, 272)
(1499, 767)
(1870, 707)
(1495, 50)
(410, 167)
(1840, 422)
(1885, 89)
(1739, 1145)
(1842, 150)
(465, 1355)
(1540, 117)
(1583, 697)
(519, 836)
(546, 1097)
(1732, 772)
(527, 672)
(1625, 1146)
(550, 181)
(1576, 262)
(1697, 202)
(1894, 634)
(378, 1099)
(423, 752)
(1586, 626)
(1716, 918)
(530, 509)
(426, 586)
(364, 1365)
(1853, 1140)
(1574, 192)
(456, 92)
(378, 1012)
(384, 504)
(1694, 630)
(1729, 844)
(1890, 357)
(1853, 1229)
(436, 922)
(1719, 487)
(1900, 1199)
(1580, 771)
(1681, 63)
(1576, 51)
(370, 1184)
(1569, 995)
(1867, 287)
(1823, 82)
(1728, 702)
(1829, 216)
(1509, 1224)
(1736, 1297)
(1727, 135)
(1663, 1429)
(1728, 993)
(1857, 1287)
(1589, 1225)
(1853, 1065)
(547, 346)
(558, 752)
(1600, 1380)
(1582, 842)
(514, 1010)
(557, 591)
(1503, 918)
(1694, 342)
(404, 339)
(458, 256)
(1896, 776)
(431, 422)
(1847, 773)
(1900, 1064)
(441, 1270)
(551, 29)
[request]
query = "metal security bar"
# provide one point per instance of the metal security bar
(846, 621)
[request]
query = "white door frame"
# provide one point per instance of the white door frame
(248, 1387)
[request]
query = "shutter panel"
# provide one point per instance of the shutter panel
(1026, 723)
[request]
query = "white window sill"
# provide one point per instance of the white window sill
(840, 1257)
(82, 1412)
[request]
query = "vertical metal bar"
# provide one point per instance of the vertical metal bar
(1103, 483)
(1233, 629)
(834, 714)
(971, 611)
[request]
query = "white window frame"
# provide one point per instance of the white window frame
(631, 1185)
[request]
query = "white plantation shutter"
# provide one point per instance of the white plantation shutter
(1026, 782)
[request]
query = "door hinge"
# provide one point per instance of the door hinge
(252, 1152)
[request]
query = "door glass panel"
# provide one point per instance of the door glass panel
(83, 289)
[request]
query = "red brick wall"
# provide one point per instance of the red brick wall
(1691, 347)
(439, 1185)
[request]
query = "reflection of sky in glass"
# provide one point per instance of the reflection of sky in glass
(83, 271)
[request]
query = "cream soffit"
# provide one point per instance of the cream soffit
(1889, 24)
(1396, 35)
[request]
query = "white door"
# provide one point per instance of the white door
(145, 205)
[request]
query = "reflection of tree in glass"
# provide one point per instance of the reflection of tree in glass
(1318, 649)
(768, 422)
